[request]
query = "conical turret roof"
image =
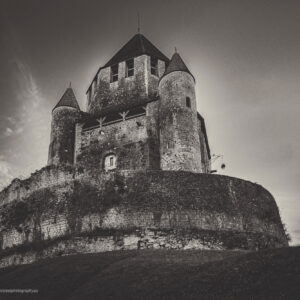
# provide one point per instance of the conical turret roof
(68, 99)
(176, 64)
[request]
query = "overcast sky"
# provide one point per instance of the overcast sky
(245, 56)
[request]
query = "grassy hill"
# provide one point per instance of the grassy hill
(158, 274)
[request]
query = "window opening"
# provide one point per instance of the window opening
(188, 101)
(110, 162)
(154, 64)
(129, 67)
(114, 71)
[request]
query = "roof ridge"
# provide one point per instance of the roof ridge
(136, 46)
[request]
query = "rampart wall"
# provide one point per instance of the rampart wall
(68, 210)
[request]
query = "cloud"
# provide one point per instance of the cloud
(11, 120)
(5, 172)
(31, 107)
(19, 130)
(28, 92)
(8, 131)
(25, 133)
(8, 171)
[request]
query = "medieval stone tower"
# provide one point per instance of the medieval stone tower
(132, 171)
(141, 114)
(64, 117)
(179, 132)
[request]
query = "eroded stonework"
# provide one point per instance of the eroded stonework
(96, 211)
(147, 118)
(133, 172)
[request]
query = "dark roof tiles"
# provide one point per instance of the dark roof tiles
(136, 46)
(176, 64)
(68, 99)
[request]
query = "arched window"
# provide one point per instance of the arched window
(110, 162)
(188, 101)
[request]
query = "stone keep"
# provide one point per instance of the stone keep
(132, 171)
(141, 113)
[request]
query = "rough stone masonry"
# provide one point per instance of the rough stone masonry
(132, 171)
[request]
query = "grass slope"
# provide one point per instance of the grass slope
(158, 274)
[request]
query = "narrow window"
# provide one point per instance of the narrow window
(114, 71)
(170, 145)
(154, 63)
(188, 101)
(110, 162)
(129, 67)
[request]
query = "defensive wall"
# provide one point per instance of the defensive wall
(65, 210)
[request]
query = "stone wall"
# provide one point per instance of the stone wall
(102, 241)
(61, 148)
(134, 141)
(179, 137)
(132, 210)
(138, 89)
(49, 176)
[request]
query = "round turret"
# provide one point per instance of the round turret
(179, 137)
(64, 117)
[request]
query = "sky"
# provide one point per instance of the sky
(244, 54)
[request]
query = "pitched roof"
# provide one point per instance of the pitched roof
(68, 99)
(176, 64)
(136, 46)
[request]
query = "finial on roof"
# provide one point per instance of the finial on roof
(139, 25)
(70, 85)
(175, 49)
